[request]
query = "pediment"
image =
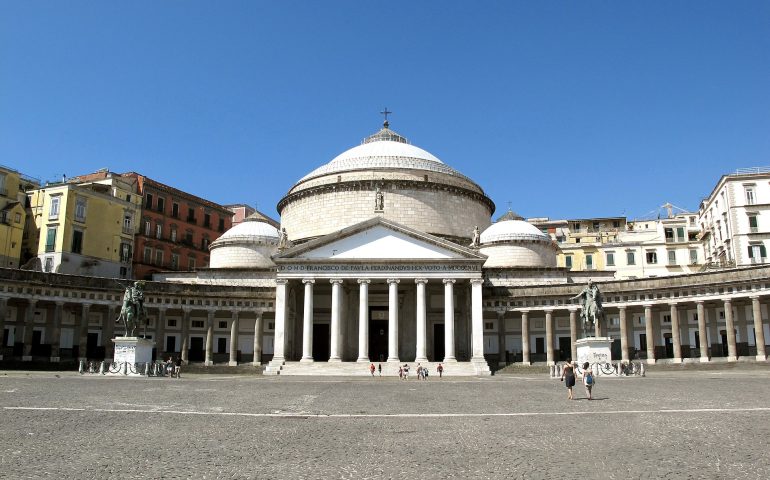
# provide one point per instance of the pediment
(379, 239)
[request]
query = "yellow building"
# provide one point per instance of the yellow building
(13, 188)
(86, 226)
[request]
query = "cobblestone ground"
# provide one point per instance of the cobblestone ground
(713, 424)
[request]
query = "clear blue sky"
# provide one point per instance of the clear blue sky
(235, 101)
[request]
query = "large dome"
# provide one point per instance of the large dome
(247, 245)
(385, 176)
(512, 230)
(516, 243)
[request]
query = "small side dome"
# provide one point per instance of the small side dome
(516, 243)
(247, 245)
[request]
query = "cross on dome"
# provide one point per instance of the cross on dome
(385, 112)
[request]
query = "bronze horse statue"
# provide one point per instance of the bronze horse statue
(132, 313)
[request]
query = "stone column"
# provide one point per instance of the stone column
(307, 322)
(675, 334)
(449, 321)
(503, 360)
(109, 332)
(363, 320)
(257, 340)
(209, 338)
(525, 337)
(573, 333)
(393, 320)
(3, 313)
(160, 332)
(279, 341)
(29, 321)
(477, 320)
(185, 347)
(335, 327)
(649, 333)
(730, 328)
(549, 357)
(420, 354)
(234, 338)
(702, 334)
(58, 312)
(623, 333)
(83, 342)
(759, 333)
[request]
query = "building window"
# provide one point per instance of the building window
(147, 255)
(197, 324)
(127, 223)
(204, 243)
(630, 258)
(223, 324)
(159, 257)
(568, 261)
(161, 204)
(610, 259)
(147, 228)
(173, 234)
(669, 232)
(174, 261)
(53, 212)
(589, 262)
(123, 272)
(191, 264)
(50, 239)
(596, 226)
(80, 209)
(221, 225)
(191, 214)
(757, 253)
(652, 257)
(750, 199)
(125, 252)
(188, 237)
(77, 241)
(171, 322)
(693, 256)
(489, 326)
(148, 203)
(576, 227)
(753, 223)
(680, 234)
(175, 210)
(48, 266)
(158, 231)
(615, 224)
(206, 220)
(17, 218)
(672, 257)
(666, 318)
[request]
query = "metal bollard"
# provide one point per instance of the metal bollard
(147, 369)
(101, 368)
(643, 369)
(81, 367)
(125, 368)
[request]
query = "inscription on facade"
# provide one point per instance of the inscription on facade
(465, 267)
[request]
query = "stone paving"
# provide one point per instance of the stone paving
(699, 424)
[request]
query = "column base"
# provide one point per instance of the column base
(363, 360)
(335, 360)
(732, 358)
(449, 360)
(704, 359)
(28, 358)
(393, 360)
(52, 359)
(676, 360)
(650, 361)
(232, 363)
(761, 358)
(208, 363)
(421, 360)
(256, 364)
(306, 360)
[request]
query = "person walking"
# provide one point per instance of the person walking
(568, 377)
(178, 366)
(406, 371)
(401, 373)
(379, 368)
(440, 370)
(371, 369)
(419, 372)
(588, 379)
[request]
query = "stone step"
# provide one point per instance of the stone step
(347, 369)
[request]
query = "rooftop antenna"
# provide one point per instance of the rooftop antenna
(385, 112)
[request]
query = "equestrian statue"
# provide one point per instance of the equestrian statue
(591, 310)
(132, 313)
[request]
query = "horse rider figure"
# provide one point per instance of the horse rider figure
(132, 313)
(591, 307)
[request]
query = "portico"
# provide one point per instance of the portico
(427, 289)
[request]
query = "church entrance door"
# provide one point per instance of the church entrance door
(321, 342)
(378, 334)
(438, 342)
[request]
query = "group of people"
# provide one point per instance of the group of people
(173, 367)
(372, 369)
(422, 372)
(568, 377)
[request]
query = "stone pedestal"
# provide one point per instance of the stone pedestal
(594, 350)
(132, 350)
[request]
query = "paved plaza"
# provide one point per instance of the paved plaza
(689, 424)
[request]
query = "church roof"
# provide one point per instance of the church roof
(508, 230)
(385, 149)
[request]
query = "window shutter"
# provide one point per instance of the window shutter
(762, 251)
(751, 252)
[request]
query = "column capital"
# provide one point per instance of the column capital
(364, 280)
(336, 281)
(236, 313)
(186, 308)
(448, 280)
(281, 281)
(393, 280)
(59, 303)
(548, 311)
(572, 309)
(524, 311)
(728, 301)
(477, 281)
(421, 280)
(622, 308)
(308, 280)
(86, 306)
(647, 305)
(210, 313)
(754, 297)
(162, 308)
(501, 313)
(700, 302)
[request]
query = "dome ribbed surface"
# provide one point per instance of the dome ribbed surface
(512, 230)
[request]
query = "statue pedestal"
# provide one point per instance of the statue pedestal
(594, 350)
(131, 351)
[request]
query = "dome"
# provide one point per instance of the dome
(384, 149)
(512, 230)
(250, 231)
(247, 245)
